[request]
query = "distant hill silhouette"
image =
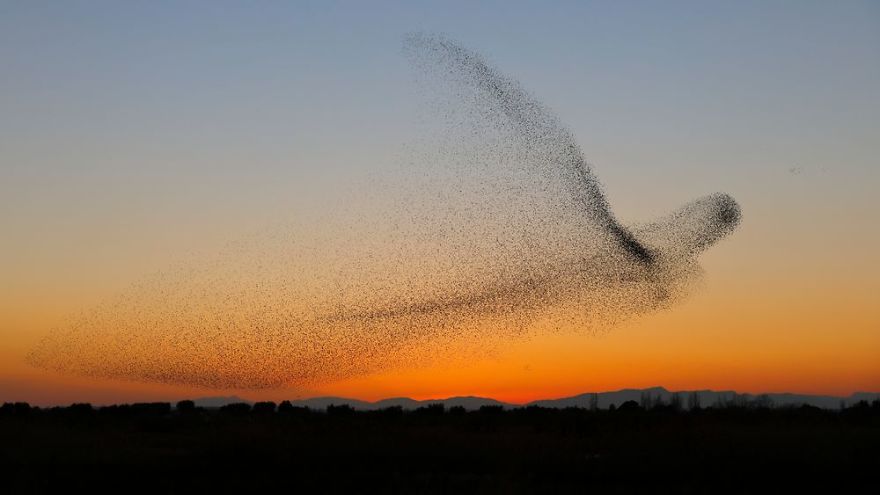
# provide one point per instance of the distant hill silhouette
(706, 398)
(603, 400)
(469, 403)
(213, 402)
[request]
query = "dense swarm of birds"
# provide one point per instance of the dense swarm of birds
(497, 229)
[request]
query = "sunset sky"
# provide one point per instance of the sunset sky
(135, 135)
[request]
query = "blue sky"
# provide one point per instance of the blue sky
(221, 106)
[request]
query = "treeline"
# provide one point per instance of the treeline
(647, 404)
(652, 446)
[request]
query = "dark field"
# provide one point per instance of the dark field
(159, 449)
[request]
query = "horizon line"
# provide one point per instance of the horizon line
(239, 398)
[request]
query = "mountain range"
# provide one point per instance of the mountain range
(602, 400)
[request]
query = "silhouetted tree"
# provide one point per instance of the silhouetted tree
(594, 402)
(118, 410)
(432, 409)
(657, 402)
(286, 407)
(675, 402)
(343, 409)
(151, 408)
(266, 407)
(694, 401)
(80, 408)
(763, 401)
(630, 406)
(236, 408)
(17, 408)
(185, 406)
(487, 409)
(392, 411)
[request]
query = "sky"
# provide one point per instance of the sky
(135, 134)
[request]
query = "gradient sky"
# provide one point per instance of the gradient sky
(134, 134)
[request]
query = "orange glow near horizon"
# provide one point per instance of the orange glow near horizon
(761, 323)
(763, 346)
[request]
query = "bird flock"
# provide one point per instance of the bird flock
(494, 229)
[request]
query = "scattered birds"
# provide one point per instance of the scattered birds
(497, 230)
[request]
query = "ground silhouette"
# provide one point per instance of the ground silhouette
(736, 447)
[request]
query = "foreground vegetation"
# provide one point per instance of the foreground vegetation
(734, 448)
